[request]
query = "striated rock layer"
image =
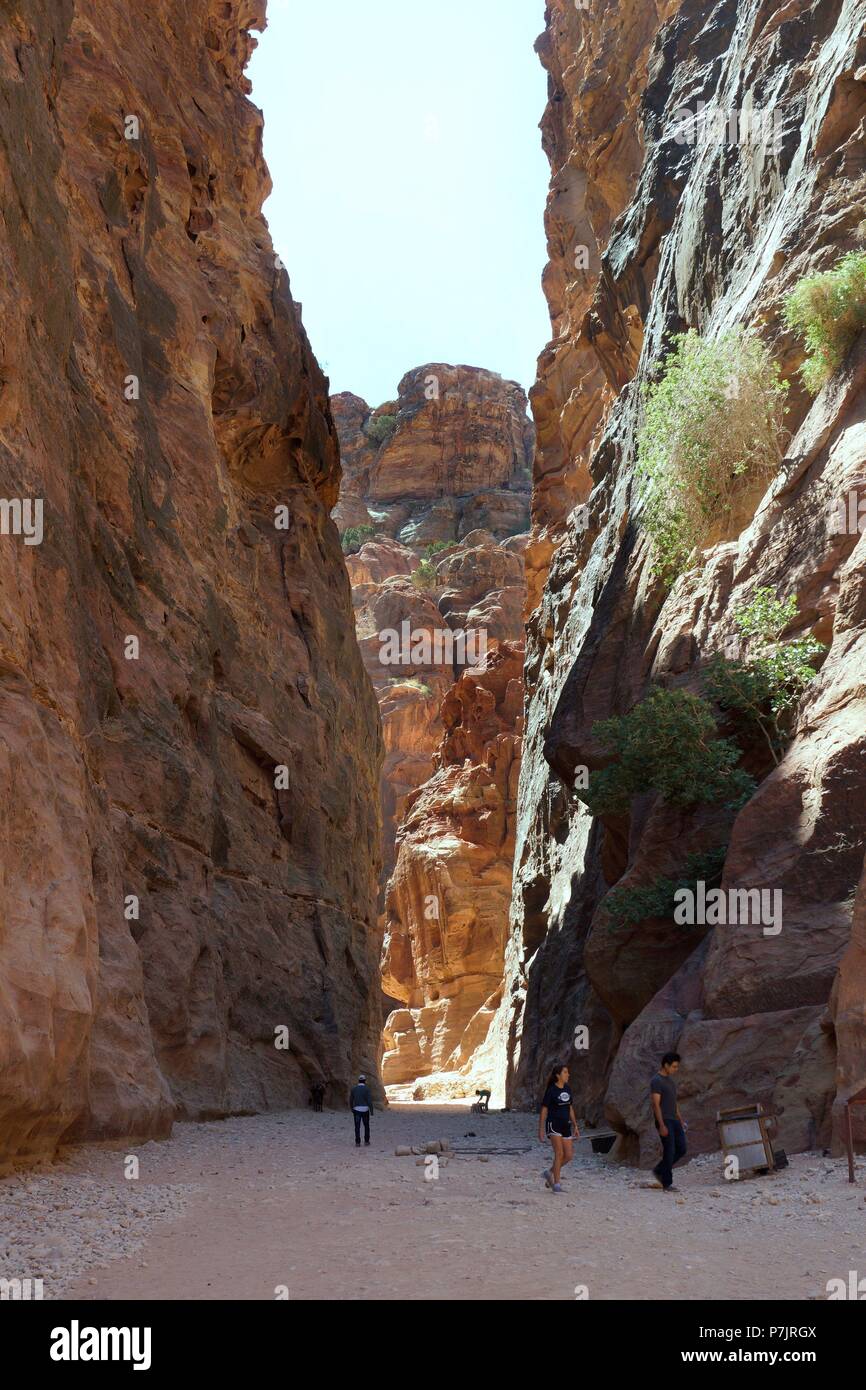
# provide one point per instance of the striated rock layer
(444, 487)
(461, 448)
(699, 236)
(455, 457)
(168, 898)
(446, 906)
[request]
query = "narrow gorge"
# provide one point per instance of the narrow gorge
(435, 504)
(308, 704)
(653, 230)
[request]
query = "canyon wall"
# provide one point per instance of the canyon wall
(447, 902)
(649, 235)
(445, 486)
(453, 455)
(441, 478)
(190, 745)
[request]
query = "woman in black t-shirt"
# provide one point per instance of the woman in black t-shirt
(558, 1124)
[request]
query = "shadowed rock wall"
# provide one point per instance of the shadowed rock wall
(158, 394)
(649, 235)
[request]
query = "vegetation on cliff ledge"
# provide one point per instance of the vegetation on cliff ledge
(380, 430)
(425, 577)
(668, 744)
(766, 686)
(828, 311)
(711, 425)
(627, 906)
(354, 537)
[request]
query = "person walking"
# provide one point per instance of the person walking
(667, 1119)
(557, 1123)
(361, 1103)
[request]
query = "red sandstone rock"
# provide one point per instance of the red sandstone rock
(454, 465)
(461, 443)
(459, 457)
(379, 560)
(446, 907)
(147, 258)
(749, 1011)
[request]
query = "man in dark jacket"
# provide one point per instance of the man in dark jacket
(362, 1106)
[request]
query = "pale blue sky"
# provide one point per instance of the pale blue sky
(409, 182)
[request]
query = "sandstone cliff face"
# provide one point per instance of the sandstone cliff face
(458, 458)
(446, 906)
(697, 236)
(166, 904)
(460, 448)
(450, 472)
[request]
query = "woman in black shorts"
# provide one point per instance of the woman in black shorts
(558, 1124)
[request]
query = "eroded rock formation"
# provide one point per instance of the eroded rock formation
(441, 477)
(190, 744)
(461, 442)
(455, 456)
(446, 906)
(649, 235)
(166, 903)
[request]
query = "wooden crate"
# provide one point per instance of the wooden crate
(744, 1133)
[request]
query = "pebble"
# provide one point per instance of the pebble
(87, 1221)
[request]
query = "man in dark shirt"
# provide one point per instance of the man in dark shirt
(362, 1105)
(667, 1118)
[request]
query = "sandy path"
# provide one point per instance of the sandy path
(237, 1209)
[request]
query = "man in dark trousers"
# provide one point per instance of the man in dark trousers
(362, 1105)
(667, 1118)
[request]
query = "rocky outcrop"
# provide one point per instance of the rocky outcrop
(440, 477)
(445, 555)
(446, 906)
(696, 235)
(190, 746)
(452, 454)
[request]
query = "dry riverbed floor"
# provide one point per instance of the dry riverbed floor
(242, 1208)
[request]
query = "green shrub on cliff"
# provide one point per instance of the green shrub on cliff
(765, 687)
(627, 906)
(379, 430)
(828, 311)
(413, 682)
(667, 744)
(354, 537)
(425, 577)
(711, 425)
